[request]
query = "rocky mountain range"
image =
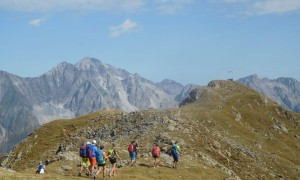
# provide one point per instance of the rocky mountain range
(225, 130)
(68, 91)
(285, 91)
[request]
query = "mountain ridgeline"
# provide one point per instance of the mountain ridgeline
(68, 91)
(285, 91)
(225, 130)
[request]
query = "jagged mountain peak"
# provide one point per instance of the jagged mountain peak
(60, 68)
(89, 63)
(169, 81)
(170, 86)
(285, 91)
(285, 80)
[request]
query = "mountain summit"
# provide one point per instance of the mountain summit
(68, 91)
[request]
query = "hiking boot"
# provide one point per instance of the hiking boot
(87, 173)
(79, 174)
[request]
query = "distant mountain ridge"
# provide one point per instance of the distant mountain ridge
(285, 91)
(68, 91)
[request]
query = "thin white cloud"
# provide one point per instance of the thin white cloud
(126, 27)
(276, 6)
(62, 5)
(165, 6)
(36, 22)
(259, 7)
(171, 6)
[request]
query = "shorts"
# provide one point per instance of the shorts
(92, 161)
(175, 156)
(154, 156)
(85, 162)
(132, 155)
(101, 164)
(113, 160)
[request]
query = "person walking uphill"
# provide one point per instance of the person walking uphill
(41, 168)
(175, 154)
(100, 157)
(156, 154)
(91, 154)
(136, 149)
(132, 153)
(85, 163)
(113, 155)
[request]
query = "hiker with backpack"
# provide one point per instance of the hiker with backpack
(91, 155)
(41, 168)
(60, 149)
(155, 155)
(85, 163)
(113, 155)
(175, 154)
(136, 149)
(132, 153)
(100, 157)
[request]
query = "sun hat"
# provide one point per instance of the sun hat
(94, 141)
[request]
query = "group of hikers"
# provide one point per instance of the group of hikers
(92, 156)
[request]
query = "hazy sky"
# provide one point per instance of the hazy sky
(189, 41)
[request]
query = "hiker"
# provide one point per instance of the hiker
(41, 168)
(113, 155)
(136, 149)
(155, 155)
(60, 149)
(175, 154)
(85, 163)
(132, 153)
(90, 152)
(100, 157)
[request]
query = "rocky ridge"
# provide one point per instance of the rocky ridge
(285, 91)
(225, 127)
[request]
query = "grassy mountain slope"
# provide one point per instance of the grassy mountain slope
(226, 130)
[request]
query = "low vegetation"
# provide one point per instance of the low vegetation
(225, 131)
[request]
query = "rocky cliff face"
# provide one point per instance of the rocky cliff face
(69, 90)
(285, 91)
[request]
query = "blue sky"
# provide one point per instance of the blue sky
(189, 41)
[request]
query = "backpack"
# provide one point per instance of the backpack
(174, 149)
(111, 153)
(156, 151)
(82, 152)
(89, 151)
(41, 166)
(40, 169)
(99, 156)
(130, 148)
